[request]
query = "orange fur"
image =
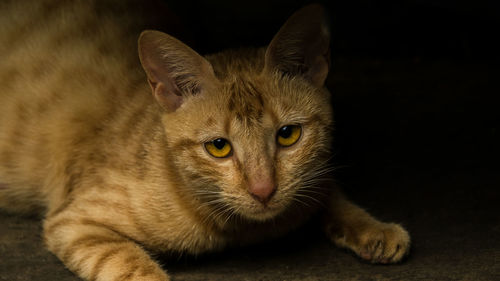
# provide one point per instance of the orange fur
(114, 169)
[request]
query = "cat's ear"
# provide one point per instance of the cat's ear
(302, 46)
(174, 70)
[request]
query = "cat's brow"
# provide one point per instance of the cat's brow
(185, 143)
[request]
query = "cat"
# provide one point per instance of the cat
(186, 154)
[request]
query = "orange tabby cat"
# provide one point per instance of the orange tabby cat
(226, 146)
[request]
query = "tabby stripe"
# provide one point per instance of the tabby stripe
(9, 77)
(274, 117)
(134, 266)
(119, 188)
(137, 270)
(61, 208)
(129, 274)
(105, 257)
(6, 157)
(227, 126)
(185, 144)
(89, 241)
(63, 222)
(73, 172)
(132, 259)
(19, 132)
(131, 123)
(316, 118)
(50, 228)
(90, 222)
(205, 167)
(78, 266)
(210, 122)
(141, 154)
(47, 10)
(145, 271)
(80, 30)
(120, 207)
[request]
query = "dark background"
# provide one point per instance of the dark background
(414, 88)
(390, 29)
(416, 76)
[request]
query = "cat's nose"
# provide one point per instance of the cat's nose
(262, 191)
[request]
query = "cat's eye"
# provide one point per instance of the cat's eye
(219, 148)
(288, 135)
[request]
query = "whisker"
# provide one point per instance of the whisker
(310, 198)
(300, 201)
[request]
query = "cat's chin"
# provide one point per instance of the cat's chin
(261, 214)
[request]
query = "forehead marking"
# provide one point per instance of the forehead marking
(245, 102)
(210, 122)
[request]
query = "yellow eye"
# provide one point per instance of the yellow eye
(288, 135)
(219, 148)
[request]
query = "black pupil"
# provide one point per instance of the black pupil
(219, 143)
(285, 132)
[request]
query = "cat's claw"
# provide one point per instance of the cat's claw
(379, 243)
(385, 243)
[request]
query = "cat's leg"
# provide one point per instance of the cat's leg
(96, 252)
(349, 226)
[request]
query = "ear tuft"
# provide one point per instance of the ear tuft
(302, 46)
(174, 70)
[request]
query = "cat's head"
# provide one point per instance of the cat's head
(248, 132)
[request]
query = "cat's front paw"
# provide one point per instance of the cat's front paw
(385, 243)
(379, 243)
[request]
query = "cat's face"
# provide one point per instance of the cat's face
(271, 135)
(248, 134)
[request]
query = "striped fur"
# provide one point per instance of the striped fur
(84, 143)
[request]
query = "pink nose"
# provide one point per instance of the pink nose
(262, 191)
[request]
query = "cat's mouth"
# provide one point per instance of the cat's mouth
(261, 212)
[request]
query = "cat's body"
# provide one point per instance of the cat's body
(83, 141)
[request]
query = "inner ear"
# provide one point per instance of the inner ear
(174, 70)
(302, 46)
